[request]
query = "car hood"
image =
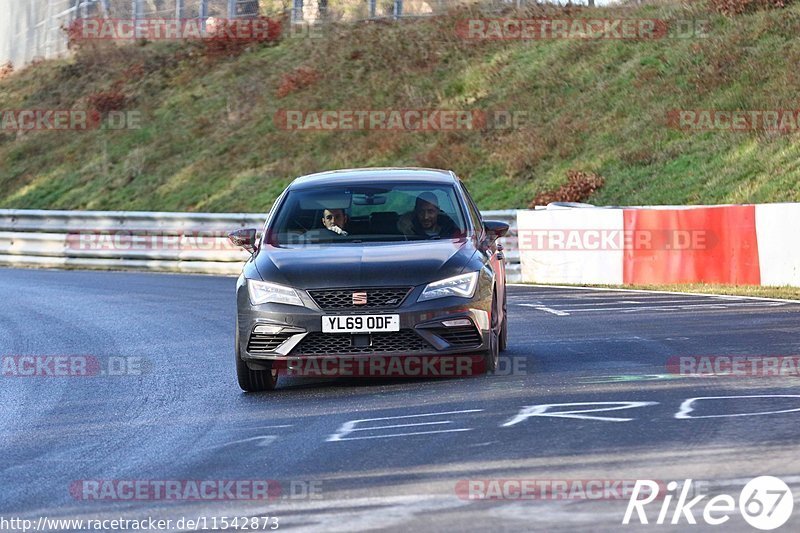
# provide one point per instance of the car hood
(357, 265)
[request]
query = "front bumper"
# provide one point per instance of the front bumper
(296, 331)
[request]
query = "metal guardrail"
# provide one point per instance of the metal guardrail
(141, 240)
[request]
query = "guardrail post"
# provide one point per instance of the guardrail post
(372, 6)
(398, 8)
(49, 18)
(179, 9)
(136, 9)
(297, 11)
(203, 14)
(231, 9)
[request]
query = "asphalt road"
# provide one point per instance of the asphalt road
(178, 414)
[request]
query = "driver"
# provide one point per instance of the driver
(334, 222)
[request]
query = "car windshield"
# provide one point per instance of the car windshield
(384, 212)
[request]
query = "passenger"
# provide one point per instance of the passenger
(427, 220)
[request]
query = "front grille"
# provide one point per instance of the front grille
(261, 343)
(459, 336)
(405, 341)
(337, 299)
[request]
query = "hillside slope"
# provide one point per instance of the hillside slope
(209, 139)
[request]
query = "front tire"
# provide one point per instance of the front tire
(504, 335)
(504, 327)
(256, 380)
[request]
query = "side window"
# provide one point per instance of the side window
(474, 213)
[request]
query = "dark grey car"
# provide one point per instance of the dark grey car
(414, 271)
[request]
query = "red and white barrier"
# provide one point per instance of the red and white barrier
(778, 234)
(731, 244)
(544, 260)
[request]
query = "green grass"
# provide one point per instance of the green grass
(208, 141)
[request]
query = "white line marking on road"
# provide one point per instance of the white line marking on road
(542, 410)
(403, 425)
(645, 291)
(350, 426)
(687, 407)
(406, 434)
(676, 307)
(673, 307)
(614, 302)
(263, 427)
(546, 309)
(264, 440)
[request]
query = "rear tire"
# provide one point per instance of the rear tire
(256, 380)
(492, 355)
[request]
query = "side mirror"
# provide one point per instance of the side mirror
(495, 229)
(246, 238)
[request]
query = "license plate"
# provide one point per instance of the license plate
(360, 323)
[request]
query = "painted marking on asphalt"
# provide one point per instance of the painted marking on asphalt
(634, 302)
(545, 309)
(350, 426)
(645, 291)
(542, 410)
(264, 427)
(405, 434)
(671, 303)
(263, 440)
(627, 378)
(674, 307)
(404, 425)
(687, 406)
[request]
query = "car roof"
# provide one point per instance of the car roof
(368, 175)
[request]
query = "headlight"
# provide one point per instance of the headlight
(463, 285)
(262, 292)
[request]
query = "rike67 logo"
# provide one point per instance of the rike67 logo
(765, 503)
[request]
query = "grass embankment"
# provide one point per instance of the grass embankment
(209, 141)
